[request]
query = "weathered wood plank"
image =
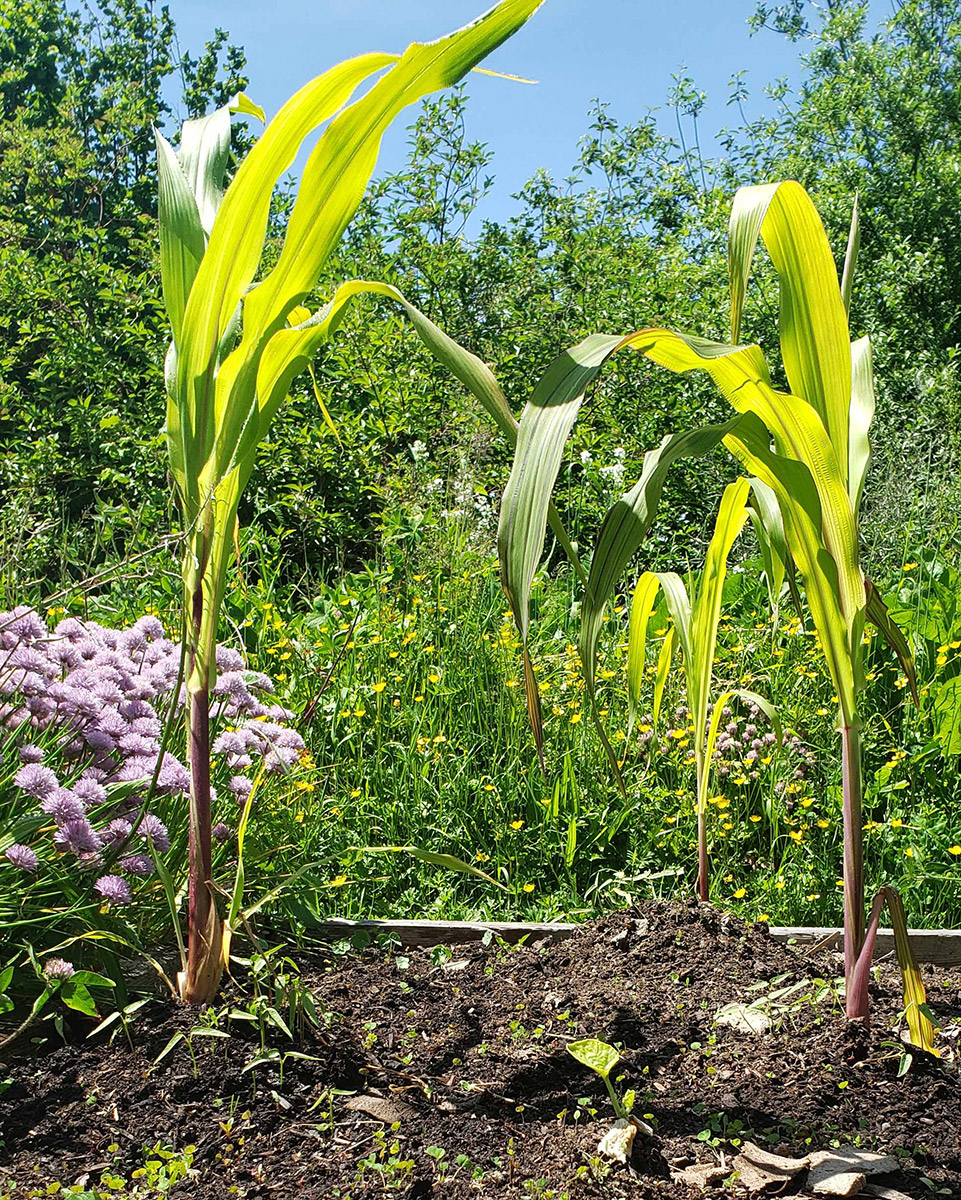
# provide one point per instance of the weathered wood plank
(942, 946)
(440, 933)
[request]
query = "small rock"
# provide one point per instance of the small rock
(885, 1193)
(760, 1170)
(618, 1142)
(743, 1018)
(381, 1108)
(843, 1172)
(701, 1175)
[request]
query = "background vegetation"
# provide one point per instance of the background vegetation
(367, 586)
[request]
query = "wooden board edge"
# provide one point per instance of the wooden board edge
(939, 946)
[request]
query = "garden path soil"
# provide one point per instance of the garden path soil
(468, 1057)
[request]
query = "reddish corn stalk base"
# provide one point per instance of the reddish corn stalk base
(702, 869)
(856, 1002)
(200, 980)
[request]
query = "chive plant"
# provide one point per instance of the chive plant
(238, 341)
(809, 447)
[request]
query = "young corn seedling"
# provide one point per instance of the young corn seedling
(815, 470)
(695, 628)
(238, 341)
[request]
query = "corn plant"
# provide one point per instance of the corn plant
(815, 469)
(238, 344)
(695, 629)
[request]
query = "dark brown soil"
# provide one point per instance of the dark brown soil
(465, 1063)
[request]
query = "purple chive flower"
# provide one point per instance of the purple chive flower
(147, 726)
(113, 888)
(174, 776)
(228, 660)
(28, 658)
(241, 786)
(30, 753)
(150, 626)
(222, 832)
(233, 684)
(132, 641)
(22, 623)
(116, 831)
(153, 829)
(279, 759)
(230, 742)
(59, 969)
(90, 791)
(77, 837)
(100, 740)
(137, 864)
(137, 743)
(36, 781)
(63, 806)
(22, 857)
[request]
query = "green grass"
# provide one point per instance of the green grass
(408, 679)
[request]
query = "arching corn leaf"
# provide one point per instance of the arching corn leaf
(813, 326)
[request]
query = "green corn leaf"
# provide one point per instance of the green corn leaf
(662, 671)
(815, 343)
(182, 240)
(334, 181)
(717, 716)
(880, 618)
(851, 258)
(642, 605)
(862, 414)
(449, 862)
(765, 516)
(806, 478)
(544, 428)
(626, 524)
(801, 510)
(706, 615)
(235, 247)
(920, 1029)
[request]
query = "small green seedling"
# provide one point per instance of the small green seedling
(602, 1059)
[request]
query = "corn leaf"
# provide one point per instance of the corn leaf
(862, 414)
(718, 715)
(642, 605)
(730, 520)
(449, 862)
(851, 258)
(661, 672)
(815, 343)
(880, 618)
(765, 516)
(920, 1029)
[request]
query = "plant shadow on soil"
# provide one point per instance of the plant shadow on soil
(462, 1085)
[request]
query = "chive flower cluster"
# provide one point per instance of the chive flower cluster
(82, 712)
(745, 744)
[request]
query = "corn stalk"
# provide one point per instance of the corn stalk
(695, 627)
(238, 344)
(815, 469)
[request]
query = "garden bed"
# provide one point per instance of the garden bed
(446, 1074)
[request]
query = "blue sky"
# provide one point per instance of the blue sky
(622, 51)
